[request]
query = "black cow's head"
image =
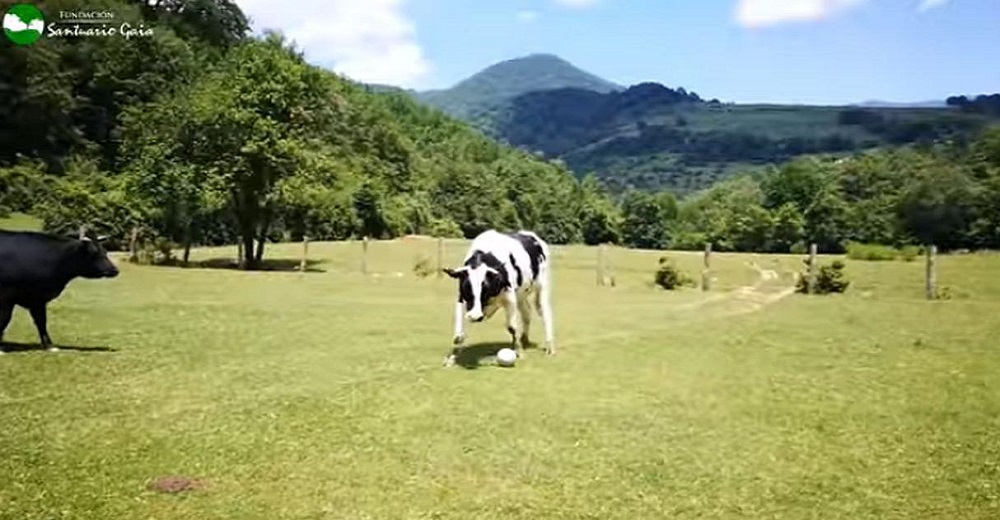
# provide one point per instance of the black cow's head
(481, 280)
(92, 260)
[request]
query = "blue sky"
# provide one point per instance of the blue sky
(788, 51)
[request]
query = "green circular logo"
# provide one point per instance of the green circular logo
(23, 24)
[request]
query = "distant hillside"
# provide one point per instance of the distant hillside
(652, 136)
(475, 98)
(387, 89)
(876, 103)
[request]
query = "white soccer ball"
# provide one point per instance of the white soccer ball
(506, 357)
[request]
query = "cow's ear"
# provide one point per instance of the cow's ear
(454, 273)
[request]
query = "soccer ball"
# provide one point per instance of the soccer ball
(506, 357)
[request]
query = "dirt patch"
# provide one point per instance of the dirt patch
(175, 484)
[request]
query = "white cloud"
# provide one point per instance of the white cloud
(15, 24)
(366, 40)
(527, 16)
(761, 13)
(930, 4)
(577, 3)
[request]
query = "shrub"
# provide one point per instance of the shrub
(871, 252)
(445, 228)
(829, 279)
(422, 267)
(156, 251)
(799, 248)
(669, 277)
(909, 253)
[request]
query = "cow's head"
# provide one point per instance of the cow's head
(92, 260)
(479, 283)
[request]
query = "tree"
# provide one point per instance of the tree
(939, 208)
(647, 219)
(600, 219)
(789, 228)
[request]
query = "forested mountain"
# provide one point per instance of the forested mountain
(203, 135)
(652, 136)
(479, 96)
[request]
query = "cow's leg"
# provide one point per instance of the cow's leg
(459, 338)
(542, 300)
(39, 315)
(513, 321)
(6, 310)
(524, 308)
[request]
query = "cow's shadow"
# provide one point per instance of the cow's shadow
(10, 348)
(471, 356)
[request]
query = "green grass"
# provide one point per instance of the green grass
(20, 222)
(321, 395)
(881, 253)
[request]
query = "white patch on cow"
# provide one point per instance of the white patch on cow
(476, 278)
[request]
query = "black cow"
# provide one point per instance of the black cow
(35, 269)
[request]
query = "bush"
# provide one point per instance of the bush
(871, 252)
(445, 228)
(422, 267)
(22, 187)
(829, 279)
(910, 253)
(799, 248)
(669, 277)
(156, 250)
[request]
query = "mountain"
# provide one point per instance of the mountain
(379, 88)
(657, 137)
(477, 96)
(876, 103)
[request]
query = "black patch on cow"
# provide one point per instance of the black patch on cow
(520, 275)
(493, 283)
(465, 291)
(534, 250)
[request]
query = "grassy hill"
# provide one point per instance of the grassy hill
(476, 97)
(199, 143)
(652, 136)
(321, 395)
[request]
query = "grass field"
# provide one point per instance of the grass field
(321, 395)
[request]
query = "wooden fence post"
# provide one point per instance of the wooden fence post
(133, 245)
(440, 264)
(706, 273)
(305, 253)
(931, 281)
(83, 232)
(364, 255)
(600, 265)
(811, 279)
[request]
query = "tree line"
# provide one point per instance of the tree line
(947, 195)
(203, 135)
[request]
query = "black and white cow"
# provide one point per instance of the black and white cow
(511, 271)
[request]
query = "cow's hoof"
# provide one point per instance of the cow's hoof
(459, 339)
(53, 349)
(550, 350)
(449, 361)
